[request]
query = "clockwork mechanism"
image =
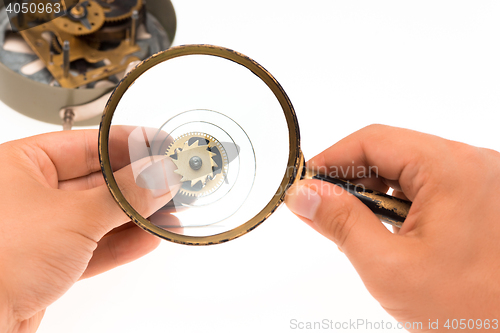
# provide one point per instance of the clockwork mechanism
(79, 50)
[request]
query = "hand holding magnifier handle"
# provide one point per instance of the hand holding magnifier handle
(388, 209)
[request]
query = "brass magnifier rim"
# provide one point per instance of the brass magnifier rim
(295, 158)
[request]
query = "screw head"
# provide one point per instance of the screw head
(195, 163)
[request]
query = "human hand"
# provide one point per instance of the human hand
(443, 263)
(60, 223)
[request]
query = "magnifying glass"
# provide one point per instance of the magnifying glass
(213, 134)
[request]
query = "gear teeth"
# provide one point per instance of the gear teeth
(95, 17)
(182, 162)
(127, 15)
(56, 45)
(212, 160)
(209, 181)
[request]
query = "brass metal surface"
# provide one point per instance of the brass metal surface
(308, 174)
(399, 207)
(95, 15)
(118, 58)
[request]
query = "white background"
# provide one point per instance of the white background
(432, 66)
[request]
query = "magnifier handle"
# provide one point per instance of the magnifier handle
(388, 209)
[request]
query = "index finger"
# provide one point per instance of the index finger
(395, 154)
(75, 153)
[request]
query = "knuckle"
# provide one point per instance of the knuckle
(91, 159)
(95, 180)
(489, 169)
(137, 198)
(93, 223)
(90, 182)
(94, 230)
(470, 159)
(471, 152)
(491, 154)
(451, 160)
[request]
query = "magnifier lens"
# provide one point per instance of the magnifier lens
(206, 129)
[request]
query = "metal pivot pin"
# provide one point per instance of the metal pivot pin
(133, 27)
(195, 163)
(66, 58)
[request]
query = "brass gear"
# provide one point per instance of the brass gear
(119, 10)
(95, 17)
(202, 162)
(56, 46)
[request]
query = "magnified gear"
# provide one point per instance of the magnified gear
(85, 18)
(117, 10)
(202, 162)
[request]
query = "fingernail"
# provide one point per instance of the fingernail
(154, 178)
(303, 200)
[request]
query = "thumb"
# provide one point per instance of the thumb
(341, 217)
(147, 184)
